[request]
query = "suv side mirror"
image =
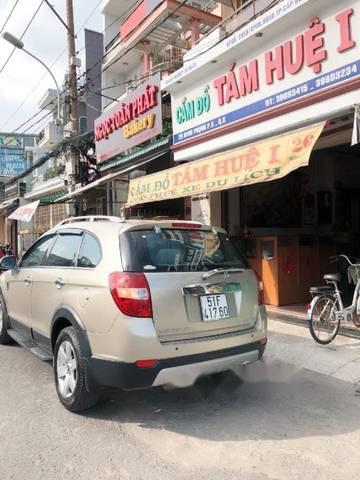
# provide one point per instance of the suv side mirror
(8, 262)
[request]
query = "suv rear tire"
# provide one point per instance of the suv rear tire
(4, 325)
(70, 373)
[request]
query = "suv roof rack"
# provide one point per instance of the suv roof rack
(91, 218)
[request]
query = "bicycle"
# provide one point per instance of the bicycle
(327, 310)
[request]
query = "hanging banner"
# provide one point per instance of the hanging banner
(25, 213)
(258, 162)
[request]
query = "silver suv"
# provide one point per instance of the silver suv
(132, 304)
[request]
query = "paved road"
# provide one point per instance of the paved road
(295, 416)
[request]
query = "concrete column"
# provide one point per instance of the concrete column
(207, 208)
(147, 62)
(215, 209)
(195, 32)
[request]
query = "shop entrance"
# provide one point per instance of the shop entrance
(290, 227)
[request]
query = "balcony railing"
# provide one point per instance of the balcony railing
(148, 7)
(248, 10)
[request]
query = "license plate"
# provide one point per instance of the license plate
(214, 307)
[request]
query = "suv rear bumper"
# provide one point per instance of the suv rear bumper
(176, 372)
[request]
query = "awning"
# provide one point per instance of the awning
(258, 162)
(107, 178)
(25, 212)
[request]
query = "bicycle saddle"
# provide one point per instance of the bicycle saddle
(332, 277)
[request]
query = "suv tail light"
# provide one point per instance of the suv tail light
(261, 294)
(131, 294)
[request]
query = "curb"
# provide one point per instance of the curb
(345, 332)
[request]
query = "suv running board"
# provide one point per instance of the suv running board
(30, 345)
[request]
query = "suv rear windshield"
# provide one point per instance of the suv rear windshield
(178, 250)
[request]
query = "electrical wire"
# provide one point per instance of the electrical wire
(55, 151)
(61, 54)
(94, 90)
(30, 93)
(22, 35)
(211, 45)
(15, 132)
(9, 16)
(171, 14)
(148, 74)
(194, 57)
(124, 14)
(57, 59)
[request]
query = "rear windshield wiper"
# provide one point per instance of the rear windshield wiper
(223, 271)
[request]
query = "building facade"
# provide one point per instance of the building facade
(50, 179)
(263, 114)
(17, 153)
(144, 43)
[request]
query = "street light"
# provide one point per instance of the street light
(20, 45)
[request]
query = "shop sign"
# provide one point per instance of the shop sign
(321, 54)
(259, 162)
(25, 212)
(133, 120)
(12, 161)
(195, 60)
(11, 141)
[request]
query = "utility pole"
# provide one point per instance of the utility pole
(74, 109)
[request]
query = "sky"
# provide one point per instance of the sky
(25, 81)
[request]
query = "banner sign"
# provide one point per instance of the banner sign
(25, 213)
(258, 162)
(135, 118)
(12, 161)
(320, 55)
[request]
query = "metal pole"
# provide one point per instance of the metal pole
(52, 76)
(74, 112)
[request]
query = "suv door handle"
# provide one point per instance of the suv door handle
(59, 282)
(27, 281)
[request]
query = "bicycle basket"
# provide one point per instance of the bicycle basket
(353, 274)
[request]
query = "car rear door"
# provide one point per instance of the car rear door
(49, 284)
(200, 285)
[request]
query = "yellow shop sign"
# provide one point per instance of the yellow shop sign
(258, 162)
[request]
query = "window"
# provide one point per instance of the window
(173, 250)
(36, 255)
(64, 251)
(90, 252)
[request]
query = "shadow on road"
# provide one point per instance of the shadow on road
(243, 406)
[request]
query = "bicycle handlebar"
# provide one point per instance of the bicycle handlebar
(336, 257)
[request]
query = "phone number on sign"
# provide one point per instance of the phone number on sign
(335, 76)
(313, 85)
(288, 95)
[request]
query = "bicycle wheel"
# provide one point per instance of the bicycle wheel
(324, 324)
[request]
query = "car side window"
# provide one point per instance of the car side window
(36, 255)
(90, 252)
(64, 251)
